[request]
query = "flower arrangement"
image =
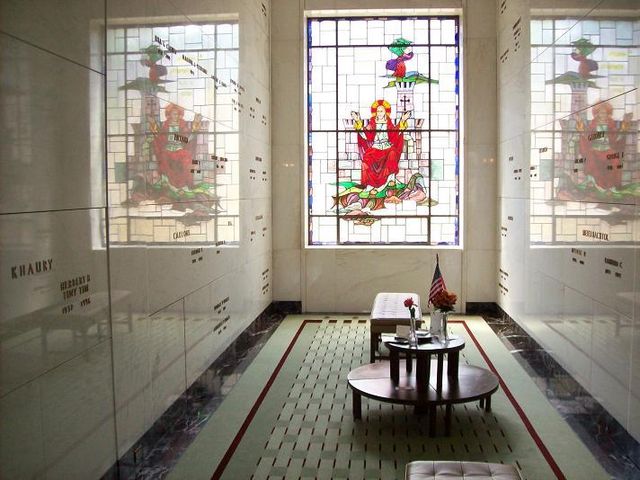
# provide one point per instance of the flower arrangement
(444, 301)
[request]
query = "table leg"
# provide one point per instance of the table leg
(373, 347)
(394, 366)
(487, 407)
(432, 421)
(481, 403)
(423, 373)
(439, 372)
(357, 404)
(452, 365)
(421, 409)
(409, 362)
(447, 419)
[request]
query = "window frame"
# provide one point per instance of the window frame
(458, 131)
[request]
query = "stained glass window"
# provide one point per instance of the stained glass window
(383, 131)
(584, 163)
(172, 133)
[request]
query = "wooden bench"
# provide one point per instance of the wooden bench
(388, 311)
(428, 470)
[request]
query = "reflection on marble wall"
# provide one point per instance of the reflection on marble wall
(568, 188)
(135, 216)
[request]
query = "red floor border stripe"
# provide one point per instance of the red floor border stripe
(247, 421)
(523, 416)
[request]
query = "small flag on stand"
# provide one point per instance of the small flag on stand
(437, 284)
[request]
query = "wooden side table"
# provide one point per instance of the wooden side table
(422, 353)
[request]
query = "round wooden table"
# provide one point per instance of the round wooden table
(374, 381)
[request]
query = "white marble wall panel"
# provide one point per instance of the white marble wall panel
(255, 174)
(287, 233)
(52, 149)
(512, 37)
(544, 300)
(633, 423)
(561, 319)
(513, 170)
(200, 321)
(256, 58)
(129, 276)
(173, 273)
(634, 334)
(74, 31)
(480, 153)
(258, 125)
(285, 262)
(54, 293)
(580, 254)
(21, 446)
(258, 272)
(321, 288)
(167, 357)
(602, 272)
(605, 286)
(513, 229)
(611, 359)
(287, 149)
(477, 264)
(122, 10)
(347, 280)
(169, 290)
(256, 226)
(515, 120)
(208, 278)
(132, 376)
(575, 330)
(77, 416)
(512, 278)
(225, 259)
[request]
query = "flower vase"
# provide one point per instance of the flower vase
(413, 337)
(436, 322)
(445, 329)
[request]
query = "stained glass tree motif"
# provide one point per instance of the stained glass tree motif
(383, 131)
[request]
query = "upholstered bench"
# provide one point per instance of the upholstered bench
(424, 470)
(387, 312)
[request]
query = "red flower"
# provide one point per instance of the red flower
(408, 302)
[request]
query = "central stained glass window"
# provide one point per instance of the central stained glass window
(383, 131)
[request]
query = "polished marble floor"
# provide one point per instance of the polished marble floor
(155, 454)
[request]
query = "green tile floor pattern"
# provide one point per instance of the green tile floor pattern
(315, 435)
(305, 428)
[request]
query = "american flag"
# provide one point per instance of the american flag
(437, 284)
